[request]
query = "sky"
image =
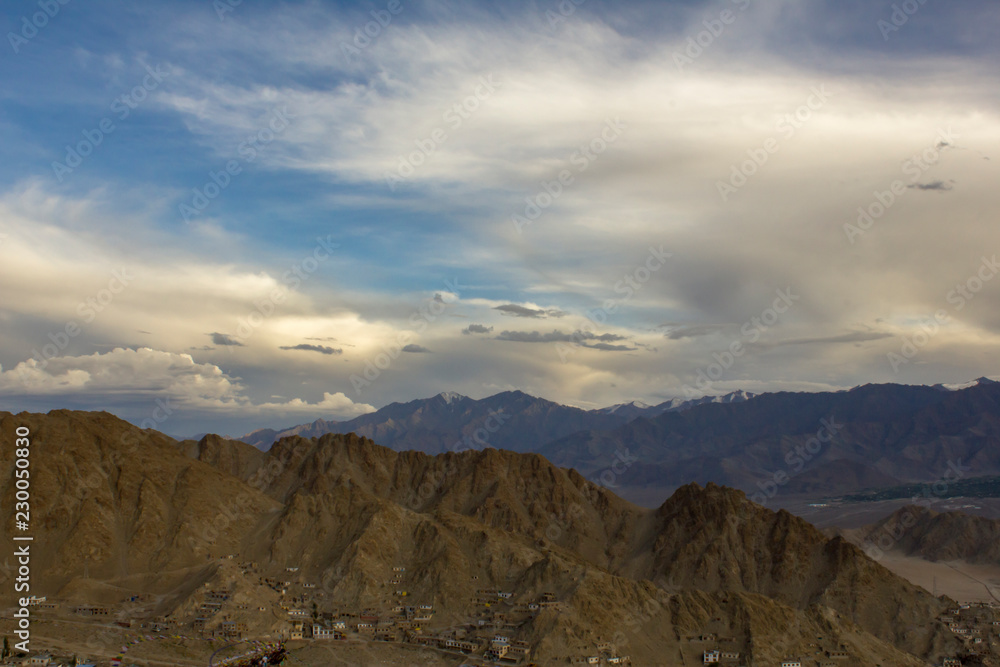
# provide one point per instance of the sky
(223, 215)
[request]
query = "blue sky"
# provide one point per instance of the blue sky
(644, 271)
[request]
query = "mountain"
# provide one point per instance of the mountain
(936, 536)
(117, 502)
(797, 442)
(636, 409)
(345, 523)
(451, 421)
(231, 456)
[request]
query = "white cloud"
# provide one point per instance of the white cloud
(151, 374)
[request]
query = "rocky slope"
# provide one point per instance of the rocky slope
(936, 536)
(125, 508)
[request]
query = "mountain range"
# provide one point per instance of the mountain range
(771, 446)
(120, 509)
(452, 422)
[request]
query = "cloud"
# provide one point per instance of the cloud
(225, 340)
(322, 349)
(693, 331)
(605, 347)
(477, 329)
(938, 186)
(555, 336)
(338, 404)
(145, 374)
(522, 311)
(854, 337)
(416, 349)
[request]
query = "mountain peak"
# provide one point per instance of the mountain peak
(959, 386)
(450, 397)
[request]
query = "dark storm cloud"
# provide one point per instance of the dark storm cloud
(556, 337)
(939, 186)
(224, 339)
(521, 311)
(694, 331)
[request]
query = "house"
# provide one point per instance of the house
(42, 659)
(217, 596)
(233, 629)
(730, 655)
(791, 663)
(710, 657)
(461, 645)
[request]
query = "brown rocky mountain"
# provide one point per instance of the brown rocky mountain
(120, 509)
(936, 536)
(115, 502)
(231, 456)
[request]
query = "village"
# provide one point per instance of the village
(263, 616)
